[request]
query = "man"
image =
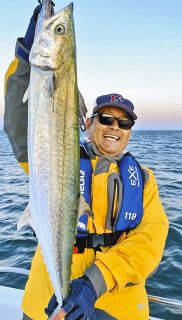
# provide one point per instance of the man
(124, 242)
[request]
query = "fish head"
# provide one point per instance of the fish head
(54, 42)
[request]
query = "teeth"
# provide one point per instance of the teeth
(111, 136)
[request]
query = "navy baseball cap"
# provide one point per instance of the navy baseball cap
(115, 100)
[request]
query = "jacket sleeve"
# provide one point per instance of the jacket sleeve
(133, 259)
(16, 112)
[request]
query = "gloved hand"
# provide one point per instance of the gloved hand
(79, 304)
(29, 35)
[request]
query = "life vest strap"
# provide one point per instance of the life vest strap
(95, 241)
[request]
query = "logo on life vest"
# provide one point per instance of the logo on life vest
(82, 182)
(81, 225)
(116, 98)
(134, 176)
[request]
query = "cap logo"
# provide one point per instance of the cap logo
(116, 98)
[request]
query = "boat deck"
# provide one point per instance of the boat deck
(10, 304)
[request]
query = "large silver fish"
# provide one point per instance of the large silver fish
(53, 143)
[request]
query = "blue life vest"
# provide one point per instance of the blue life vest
(131, 210)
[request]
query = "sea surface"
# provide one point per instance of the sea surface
(159, 150)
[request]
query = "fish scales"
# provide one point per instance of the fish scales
(53, 143)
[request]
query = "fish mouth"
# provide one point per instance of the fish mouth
(42, 61)
(111, 137)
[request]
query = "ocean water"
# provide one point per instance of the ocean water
(159, 150)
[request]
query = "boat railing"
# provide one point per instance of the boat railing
(166, 301)
(152, 298)
(22, 271)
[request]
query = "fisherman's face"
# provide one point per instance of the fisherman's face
(110, 140)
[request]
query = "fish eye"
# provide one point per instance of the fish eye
(59, 29)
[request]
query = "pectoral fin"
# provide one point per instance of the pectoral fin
(25, 218)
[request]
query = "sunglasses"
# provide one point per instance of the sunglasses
(108, 119)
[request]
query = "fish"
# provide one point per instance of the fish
(53, 143)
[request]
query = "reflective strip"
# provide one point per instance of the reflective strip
(95, 276)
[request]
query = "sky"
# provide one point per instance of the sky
(130, 47)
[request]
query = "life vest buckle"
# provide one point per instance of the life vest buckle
(98, 240)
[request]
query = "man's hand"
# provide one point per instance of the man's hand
(79, 304)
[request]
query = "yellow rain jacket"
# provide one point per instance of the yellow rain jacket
(124, 267)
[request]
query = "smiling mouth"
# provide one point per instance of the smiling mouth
(111, 137)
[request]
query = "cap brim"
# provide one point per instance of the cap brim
(117, 105)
